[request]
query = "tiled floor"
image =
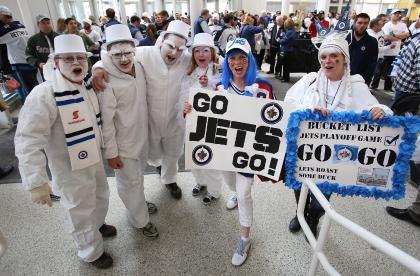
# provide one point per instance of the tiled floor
(200, 240)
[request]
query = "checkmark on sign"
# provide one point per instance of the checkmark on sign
(391, 140)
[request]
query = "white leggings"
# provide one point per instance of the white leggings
(243, 187)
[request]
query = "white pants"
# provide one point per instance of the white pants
(165, 152)
(84, 197)
(130, 179)
(243, 186)
(211, 178)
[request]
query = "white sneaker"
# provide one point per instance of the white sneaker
(241, 253)
(232, 202)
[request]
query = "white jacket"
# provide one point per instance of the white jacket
(163, 89)
(124, 112)
(191, 81)
(40, 129)
(304, 96)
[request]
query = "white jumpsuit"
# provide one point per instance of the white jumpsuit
(125, 130)
(84, 193)
(211, 178)
(166, 137)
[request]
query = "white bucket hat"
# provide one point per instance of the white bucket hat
(238, 43)
(69, 44)
(179, 28)
(118, 33)
(203, 39)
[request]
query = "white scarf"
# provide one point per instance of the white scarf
(76, 119)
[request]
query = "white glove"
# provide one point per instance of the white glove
(41, 195)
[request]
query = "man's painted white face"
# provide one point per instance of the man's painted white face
(172, 48)
(73, 67)
(122, 56)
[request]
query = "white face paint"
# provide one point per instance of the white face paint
(73, 67)
(172, 48)
(122, 56)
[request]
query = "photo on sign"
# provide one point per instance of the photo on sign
(375, 177)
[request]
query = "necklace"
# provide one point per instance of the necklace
(326, 94)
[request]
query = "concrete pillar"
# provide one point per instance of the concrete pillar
(195, 10)
(236, 5)
(323, 5)
(254, 7)
(216, 5)
(285, 5)
(94, 9)
(158, 5)
(80, 10)
(123, 16)
(173, 7)
(67, 8)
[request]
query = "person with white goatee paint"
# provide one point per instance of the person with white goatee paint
(61, 123)
(165, 65)
(125, 124)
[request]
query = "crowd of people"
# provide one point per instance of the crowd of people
(120, 92)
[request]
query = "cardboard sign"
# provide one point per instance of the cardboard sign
(236, 133)
(350, 154)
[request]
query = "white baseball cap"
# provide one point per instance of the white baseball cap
(179, 28)
(5, 11)
(203, 39)
(238, 43)
(69, 44)
(395, 11)
(118, 33)
(87, 21)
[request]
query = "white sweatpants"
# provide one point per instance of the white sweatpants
(243, 186)
(85, 198)
(211, 178)
(130, 180)
(165, 152)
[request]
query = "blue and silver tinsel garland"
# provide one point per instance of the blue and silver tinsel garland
(407, 146)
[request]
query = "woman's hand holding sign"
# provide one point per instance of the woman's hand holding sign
(187, 108)
(377, 113)
(323, 110)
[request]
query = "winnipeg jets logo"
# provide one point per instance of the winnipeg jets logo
(83, 154)
(202, 155)
(271, 113)
(341, 26)
(344, 154)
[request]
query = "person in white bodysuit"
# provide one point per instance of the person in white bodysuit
(74, 158)
(125, 124)
(165, 65)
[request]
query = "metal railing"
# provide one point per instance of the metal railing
(318, 244)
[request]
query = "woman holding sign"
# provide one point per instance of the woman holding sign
(331, 89)
(240, 77)
(205, 72)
